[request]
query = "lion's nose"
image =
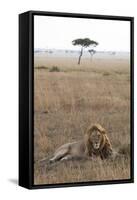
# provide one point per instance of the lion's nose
(97, 144)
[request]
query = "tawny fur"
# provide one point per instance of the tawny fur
(84, 148)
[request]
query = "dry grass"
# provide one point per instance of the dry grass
(66, 102)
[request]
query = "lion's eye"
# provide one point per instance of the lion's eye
(98, 136)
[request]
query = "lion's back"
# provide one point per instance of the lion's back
(77, 148)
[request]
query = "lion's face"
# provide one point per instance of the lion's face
(96, 139)
(97, 142)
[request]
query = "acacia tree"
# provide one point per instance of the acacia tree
(84, 43)
(92, 52)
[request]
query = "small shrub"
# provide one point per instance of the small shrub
(41, 67)
(125, 149)
(54, 69)
(106, 74)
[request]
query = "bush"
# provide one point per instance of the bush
(41, 67)
(125, 149)
(54, 69)
(106, 74)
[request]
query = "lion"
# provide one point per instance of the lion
(95, 144)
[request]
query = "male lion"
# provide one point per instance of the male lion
(94, 144)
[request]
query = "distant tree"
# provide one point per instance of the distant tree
(84, 43)
(92, 52)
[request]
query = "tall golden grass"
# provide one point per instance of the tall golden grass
(67, 102)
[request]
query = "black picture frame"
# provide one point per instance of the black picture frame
(26, 98)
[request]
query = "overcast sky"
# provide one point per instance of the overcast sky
(58, 33)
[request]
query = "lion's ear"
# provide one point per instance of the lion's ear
(100, 128)
(103, 131)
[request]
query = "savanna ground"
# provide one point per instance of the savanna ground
(67, 102)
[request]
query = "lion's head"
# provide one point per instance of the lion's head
(97, 142)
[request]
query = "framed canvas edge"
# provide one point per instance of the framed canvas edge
(23, 102)
(31, 14)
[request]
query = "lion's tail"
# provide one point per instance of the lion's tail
(46, 163)
(43, 162)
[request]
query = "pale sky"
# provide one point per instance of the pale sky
(58, 33)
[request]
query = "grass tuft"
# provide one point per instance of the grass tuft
(54, 69)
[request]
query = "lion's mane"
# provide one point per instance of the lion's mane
(105, 149)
